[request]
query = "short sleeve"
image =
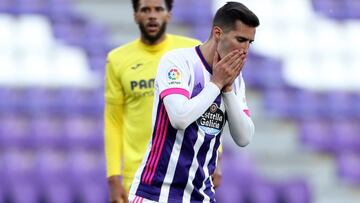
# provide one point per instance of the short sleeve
(113, 88)
(173, 76)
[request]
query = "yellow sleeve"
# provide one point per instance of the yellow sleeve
(220, 149)
(113, 122)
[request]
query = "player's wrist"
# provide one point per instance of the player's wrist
(219, 85)
(114, 180)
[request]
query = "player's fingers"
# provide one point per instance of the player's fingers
(230, 57)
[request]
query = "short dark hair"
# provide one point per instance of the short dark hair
(228, 14)
(169, 4)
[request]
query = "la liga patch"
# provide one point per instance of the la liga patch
(174, 76)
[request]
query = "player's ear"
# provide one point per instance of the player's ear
(169, 16)
(216, 33)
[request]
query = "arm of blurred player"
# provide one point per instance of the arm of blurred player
(113, 139)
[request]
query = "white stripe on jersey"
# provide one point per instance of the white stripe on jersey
(193, 168)
(170, 172)
(206, 169)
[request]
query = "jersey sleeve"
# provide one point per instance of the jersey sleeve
(240, 93)
(173, 76)
(113, 89)
(113, 122)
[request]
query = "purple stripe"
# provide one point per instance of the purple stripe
(198, 81)
(202, 58)
(184, 163)
(152, 191)
(200, 174)
(212, 167)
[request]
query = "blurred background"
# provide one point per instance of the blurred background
(302, 80)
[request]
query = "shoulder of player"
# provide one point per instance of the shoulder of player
(123, 50)
(179, 53)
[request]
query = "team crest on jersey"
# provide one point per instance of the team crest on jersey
(174, 76)
(212, 121)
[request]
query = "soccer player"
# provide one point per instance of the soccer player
(197, 91)
(129, 91)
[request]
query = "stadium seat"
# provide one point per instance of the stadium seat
(279, 102)
(14, 131)
(19, 176)
(346, 133)
(295, 191)
(331, 8)
(348, 165)
(8, 6)
(352, 8)
(264, 192)
(83, 132)
(316, 135)
(339, 104)
(309, 104)
(47, 131)
(52, 177)
(33, 7)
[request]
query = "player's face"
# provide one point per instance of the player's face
(240, 37)
(152, 17)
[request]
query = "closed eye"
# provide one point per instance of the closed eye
(243, 39)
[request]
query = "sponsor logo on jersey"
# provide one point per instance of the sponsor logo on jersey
(136, 66)
(212, 121)
(174, 76)
(142, 84)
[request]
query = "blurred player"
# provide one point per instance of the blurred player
(130, 74)
(197, 91)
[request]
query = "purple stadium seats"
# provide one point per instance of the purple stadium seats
(279, 102)
(316, 134)
(295, 191)
(87, 169)
(82, 101)
(13, 102)
(42, 101)
(346, 134)
(352, 9)
(261, 72)
(308, 104)
(263, 192)
(340, 104)
(19, 177)
(8, 6)
(33, 6)
(52, 176)
(83, 132)
(330, 8)
(47, 132)
(348, 164)
(14, 131)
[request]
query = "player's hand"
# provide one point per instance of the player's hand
(216, 178)
(228, 68)
(118, 193)
(238, 67)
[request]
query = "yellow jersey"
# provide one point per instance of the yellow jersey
(129, 95)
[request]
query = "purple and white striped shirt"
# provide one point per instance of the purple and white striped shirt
(178, 164)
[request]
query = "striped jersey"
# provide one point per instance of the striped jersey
(178, 164)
